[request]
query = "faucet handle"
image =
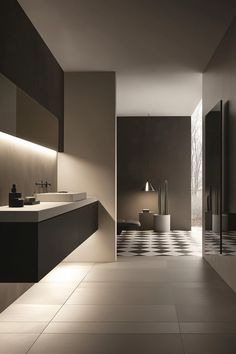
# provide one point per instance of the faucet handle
(47, 184)
(39, 184)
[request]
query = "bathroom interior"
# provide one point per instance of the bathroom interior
(42, 153)
(86, 181)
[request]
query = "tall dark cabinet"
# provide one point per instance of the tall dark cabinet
(220, 216)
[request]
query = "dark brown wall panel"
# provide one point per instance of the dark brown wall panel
(156, 148)
(26, 60)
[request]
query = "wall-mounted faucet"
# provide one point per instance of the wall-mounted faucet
(47, 184)
(39, 184)
(43, 185)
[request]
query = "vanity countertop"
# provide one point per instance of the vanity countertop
(42, 211)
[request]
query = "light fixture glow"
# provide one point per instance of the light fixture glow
(148, 187)
(26, 144)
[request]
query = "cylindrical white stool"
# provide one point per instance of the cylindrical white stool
(216, 222)
(161, 223)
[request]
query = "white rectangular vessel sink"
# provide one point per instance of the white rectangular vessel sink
(61, 196)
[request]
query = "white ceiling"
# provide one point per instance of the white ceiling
(158, 48)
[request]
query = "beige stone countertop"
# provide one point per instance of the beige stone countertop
(42, 211)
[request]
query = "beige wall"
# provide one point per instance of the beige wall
(88, 163)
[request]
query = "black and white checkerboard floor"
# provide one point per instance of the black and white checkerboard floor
(151, 243)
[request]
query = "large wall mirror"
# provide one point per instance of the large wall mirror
(213, 180)
(228, 182)
(23, 117)
(220, 174)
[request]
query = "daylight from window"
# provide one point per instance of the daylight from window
(196, 162)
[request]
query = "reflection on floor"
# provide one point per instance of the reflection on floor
(212, 243)
(151, 243)
(136, 305)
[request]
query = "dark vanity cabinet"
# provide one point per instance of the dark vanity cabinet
(29, 250)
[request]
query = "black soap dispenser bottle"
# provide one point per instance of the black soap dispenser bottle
(15, 200)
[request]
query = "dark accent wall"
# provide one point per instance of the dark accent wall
(26, 60)
(156, 148)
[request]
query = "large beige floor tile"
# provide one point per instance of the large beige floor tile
(131, 296)
(191, 275)
(130, 275)
(124, 284)
(31, 313)
(16, 343)
(209, 343)
(23, 327)
(149, 264)
(108, 344)
(47, 293)
(191, 296)
(206, 313)
(67, 272)
(113, 313)
(215, 284)
(208, 327)
(183, 262)
(185, 274)
(126, 307)
(113, 327)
